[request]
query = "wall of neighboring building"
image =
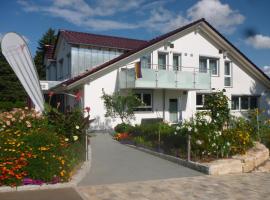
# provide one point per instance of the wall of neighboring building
(86, 57)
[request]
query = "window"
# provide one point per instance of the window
(235, 103)
(200, 101)
(203, 65)
(213, 65)
(209, 63)
(60, 77)
(244, 102)
(253, 102)
(146, 98)
(146, 61)
(162, 58)
(176, 62)
(227, 74)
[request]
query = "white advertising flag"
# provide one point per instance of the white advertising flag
(16, 52)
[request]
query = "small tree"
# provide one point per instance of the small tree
(217, 104)
(121, 106)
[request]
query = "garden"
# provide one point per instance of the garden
(41, 148)
(211, 134)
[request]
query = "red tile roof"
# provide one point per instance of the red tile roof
(49, 50)
(101, 40)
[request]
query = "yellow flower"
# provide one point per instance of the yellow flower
(62, 173)
(75, 137)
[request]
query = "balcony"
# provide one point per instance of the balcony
(187, 78)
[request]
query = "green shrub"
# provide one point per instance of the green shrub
(31, 146)
(122, 128)
(9, 105)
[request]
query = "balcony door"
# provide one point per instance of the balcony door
(173, 109)
(162, 61)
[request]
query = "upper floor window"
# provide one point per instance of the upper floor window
(146, 61)
(209, 63)
(176, 62)
(162, 60)
(227, 74)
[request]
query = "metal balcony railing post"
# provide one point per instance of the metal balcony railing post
(194, 79)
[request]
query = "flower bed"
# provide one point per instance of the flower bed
(34, 149)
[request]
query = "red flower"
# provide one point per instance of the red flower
(78, 96)
(51, 93)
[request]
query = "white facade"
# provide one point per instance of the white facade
(246, 86)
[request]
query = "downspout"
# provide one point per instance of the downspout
(163, 109)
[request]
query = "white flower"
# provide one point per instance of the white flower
(66, 139)
(214, 144)
(219, 133)
(77, 127)
(177, 128)
(199, 142)
(189, 129)
(75, 137)
(217, 114)
(175, 133)
(195, 130)
(228, 144)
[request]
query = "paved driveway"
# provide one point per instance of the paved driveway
(113, 162)
(250, 186)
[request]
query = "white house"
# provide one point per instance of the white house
(177, 70)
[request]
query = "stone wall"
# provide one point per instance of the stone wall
(240, 163)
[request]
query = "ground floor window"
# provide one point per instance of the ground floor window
(244, 102)
(146, 97)
(200, 101)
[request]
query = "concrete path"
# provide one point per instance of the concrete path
(252, 186)
(113, 162)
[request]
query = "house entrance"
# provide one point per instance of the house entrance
(173, 109)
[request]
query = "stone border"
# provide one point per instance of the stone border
(192, 165)
(253, 158)
(76, 178)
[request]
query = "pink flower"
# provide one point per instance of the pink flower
(87, 109)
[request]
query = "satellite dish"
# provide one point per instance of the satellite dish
(16, 52)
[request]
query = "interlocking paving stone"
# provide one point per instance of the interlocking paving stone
(251, 186)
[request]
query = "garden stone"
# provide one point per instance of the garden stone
(225, 166)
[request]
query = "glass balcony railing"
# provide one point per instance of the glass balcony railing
(185, 78)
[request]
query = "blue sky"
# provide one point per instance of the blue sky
(244, 22)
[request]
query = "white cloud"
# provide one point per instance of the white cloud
(259, 41)
(219, 15)
(1, 35)
(266, 70)
(99, 15)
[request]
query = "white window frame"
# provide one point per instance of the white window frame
(208, 58)
(166, 59)
(240, 101)
(179, 55)
(228, 76)
(141, 93)
(200, 107)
